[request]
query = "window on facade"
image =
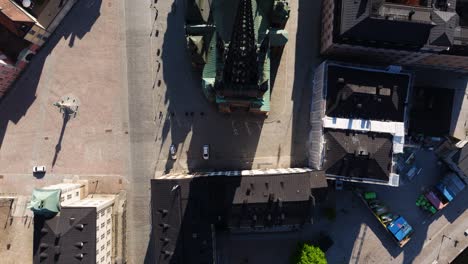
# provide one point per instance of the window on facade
(108, 232)
(62, 199)
(102, 259)
(108, 243)
(102, 225)
(69, 196)
(77, 193)
(102, 213)
(39, 35)
(102, 236)
(32, 32)
(108, 253)
(108, 210)
(97, 251)
(97, 228)
(102, 247)
(108, 221)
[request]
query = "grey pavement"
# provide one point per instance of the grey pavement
(138, 21)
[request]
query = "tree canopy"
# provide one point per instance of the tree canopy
(309, 254)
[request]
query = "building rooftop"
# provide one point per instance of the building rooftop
(358, 155)
(366, 93)
(461, 159)
(188, 210)
(67, 238)
(14, 12)
(399, 24)
(98, 201)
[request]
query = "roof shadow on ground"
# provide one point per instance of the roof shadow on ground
(15, 104)
(307, 59)
(192, 121)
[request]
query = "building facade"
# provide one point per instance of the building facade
(189, 210)
(86, 228)
(413, 33)
(23, 30)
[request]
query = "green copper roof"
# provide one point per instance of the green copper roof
(45, 202)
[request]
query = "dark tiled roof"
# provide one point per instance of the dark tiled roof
(431, 106)
(186, 211)
(362, 22)
(461, 159)
(58, 240)
(363, 93)
(358, 155)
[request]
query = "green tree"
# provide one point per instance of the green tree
(308, 254)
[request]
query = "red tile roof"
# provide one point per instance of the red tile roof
(14, 12)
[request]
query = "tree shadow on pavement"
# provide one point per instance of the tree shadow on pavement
(16, 102)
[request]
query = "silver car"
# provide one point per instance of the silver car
(206, 152)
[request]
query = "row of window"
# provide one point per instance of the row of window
(39, 36)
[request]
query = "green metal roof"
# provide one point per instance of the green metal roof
(45, 202)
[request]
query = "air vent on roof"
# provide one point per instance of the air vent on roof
(164, 226)
(167, 253)
(165, 240)
(80, 227)
(44, 245)
(79, 244)
(163, 211)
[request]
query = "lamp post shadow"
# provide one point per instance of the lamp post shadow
(58, 147)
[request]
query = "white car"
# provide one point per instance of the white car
(206, 152)
(39, 169)
(173, 152)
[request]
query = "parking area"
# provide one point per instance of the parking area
(360, 238)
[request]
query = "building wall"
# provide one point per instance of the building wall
(317, 112)
(104, 224)
(37, 35)
(328, 8)
(104, 235)
(400, 57)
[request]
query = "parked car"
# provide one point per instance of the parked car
(39, 169)
(173, 152)
(206, 152)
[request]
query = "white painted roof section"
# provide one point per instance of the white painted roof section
(99, 201)
(237, 173)
(397, 129)
(65, 187)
